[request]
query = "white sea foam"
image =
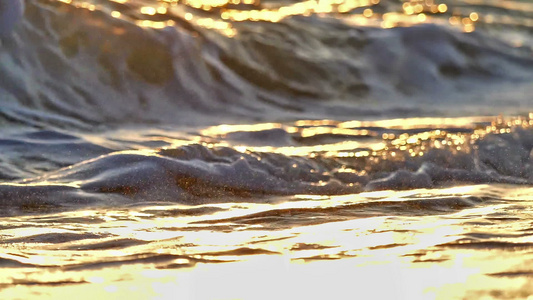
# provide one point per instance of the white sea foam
(11, 12)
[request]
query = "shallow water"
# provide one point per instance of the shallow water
(260, 150)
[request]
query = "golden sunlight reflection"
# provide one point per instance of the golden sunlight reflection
(225, 129)
(412, 123)
(426, 256)
(345, 139)
(223, 14)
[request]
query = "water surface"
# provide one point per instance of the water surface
(260, 150)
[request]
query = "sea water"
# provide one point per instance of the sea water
(215, 149)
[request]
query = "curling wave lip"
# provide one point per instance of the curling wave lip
(11, 12)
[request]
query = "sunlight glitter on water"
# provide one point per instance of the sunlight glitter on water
(361, 13)
(244, 253)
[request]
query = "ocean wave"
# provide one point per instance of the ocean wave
(69, 66)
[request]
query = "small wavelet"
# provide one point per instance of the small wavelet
(362, 157)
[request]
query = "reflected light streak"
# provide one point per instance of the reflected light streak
(225, 129)
(413, 123)
(329, 149)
